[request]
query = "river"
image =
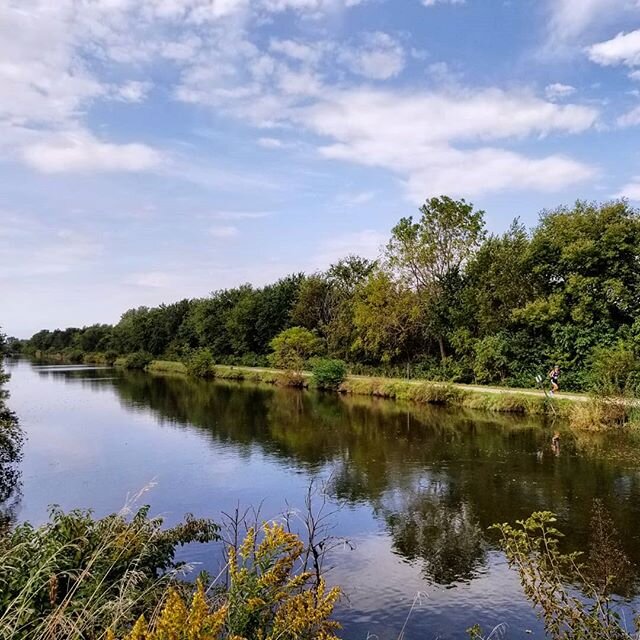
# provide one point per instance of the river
(414, 488)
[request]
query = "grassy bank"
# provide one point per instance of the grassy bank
(583, 412)
(394, 389)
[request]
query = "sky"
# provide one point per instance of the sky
(152, 150)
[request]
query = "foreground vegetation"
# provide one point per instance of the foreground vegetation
(445, 302)
(77, 578)
(11, 439)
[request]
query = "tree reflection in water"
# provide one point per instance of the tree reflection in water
(441, 534)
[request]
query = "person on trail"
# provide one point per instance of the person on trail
(554, 375)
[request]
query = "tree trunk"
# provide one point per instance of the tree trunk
(443, 353)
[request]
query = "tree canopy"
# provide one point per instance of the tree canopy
(445, 299)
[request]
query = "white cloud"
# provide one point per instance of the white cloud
(133, 91)
(297, 50)
(432, 117)
(634, 75)
(487, 170)
(47, 86)
(271, 143)
(313, 7)
(622, 49)
(241, 215)
(299, 83)
(569, 20)
(415, 135)
(379, 58)
(557, 90)
(356, 199)
(80, 152)
(223, 231)
(33, 249)
(46, 91)
(629, 119)
(631, 190)
(432, 3)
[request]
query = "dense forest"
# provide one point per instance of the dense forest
(444, 301)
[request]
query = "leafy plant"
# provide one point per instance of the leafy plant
(614, 371)
(549, 578)
(138, 360)
(266, 598)
(293, 347)
(329, 374)
(79, 574)
(11, 441)
(200, 364)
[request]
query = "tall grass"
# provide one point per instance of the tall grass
(605, 413)
(75, 576)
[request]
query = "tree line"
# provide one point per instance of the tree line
(444, 301)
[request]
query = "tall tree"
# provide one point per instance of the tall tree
(428, 253)
(387, 318)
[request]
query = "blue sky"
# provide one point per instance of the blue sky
(160, 149)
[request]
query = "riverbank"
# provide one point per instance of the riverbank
(503, 400)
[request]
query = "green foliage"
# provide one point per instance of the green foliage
(328, 373)
(491, 359)
(549, 577)
(79, 573)
(293, 347)
(200, 364)
(387, 319)
(614, 371)
(167, 366)
(428, 256)
(137, 360)
(11, 441)
(445, 303)
(267, 597)
(110, 357)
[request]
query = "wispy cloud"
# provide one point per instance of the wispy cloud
(223, 231)
(557, 91)
(241, 215)
(81, 152)
(622, 49)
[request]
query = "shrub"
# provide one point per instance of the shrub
(110, 357)
(491, 359)
(549, 577)
(137, 360)
(79, 574)
(200, 364)
(75, 355)
(614, 371)
(439, 370)
(292, 347)
(11, 441)
(265, 598)
(329, 374)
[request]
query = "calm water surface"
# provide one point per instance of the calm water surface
(416, 487)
